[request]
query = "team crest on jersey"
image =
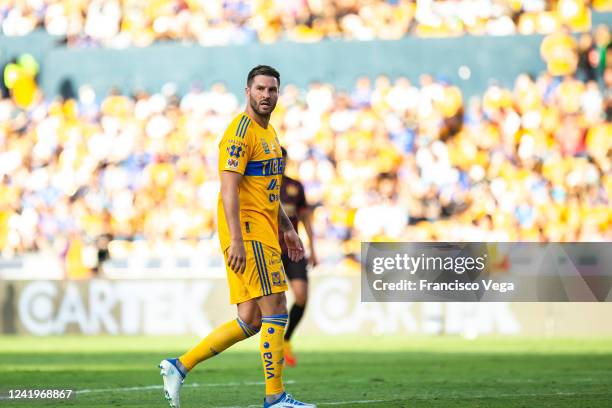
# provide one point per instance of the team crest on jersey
(232, 163)
(276, 278)
(265, 146)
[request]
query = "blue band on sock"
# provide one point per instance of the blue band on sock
(246, 328)
(281, 316)
(179, 366)
(279, 320)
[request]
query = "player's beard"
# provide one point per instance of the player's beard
(255, 107)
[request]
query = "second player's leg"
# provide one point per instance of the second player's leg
(299, 287)
(297, 274)
(300, 292)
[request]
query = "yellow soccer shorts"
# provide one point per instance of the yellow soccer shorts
(264, 274)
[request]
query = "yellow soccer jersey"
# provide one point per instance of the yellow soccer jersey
(254, 152)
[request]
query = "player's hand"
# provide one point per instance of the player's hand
(295, 248)
(312, 260)
(236, 256)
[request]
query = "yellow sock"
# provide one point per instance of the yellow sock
(271, 346)
(218, 340)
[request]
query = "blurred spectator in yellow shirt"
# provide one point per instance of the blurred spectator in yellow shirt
(560, 52)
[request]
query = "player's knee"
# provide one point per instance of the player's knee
(301, 299)
(256, 324)
(300, 293)
(252, 322)
(278, 303)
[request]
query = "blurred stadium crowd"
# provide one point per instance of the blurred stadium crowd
(390, 159)
(122, 23)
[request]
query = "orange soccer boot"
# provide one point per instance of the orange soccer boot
(290, 359)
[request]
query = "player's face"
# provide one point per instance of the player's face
(263, 94)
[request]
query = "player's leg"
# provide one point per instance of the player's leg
(274, 318)
(224, 336)
(273, 305)
(247, 324)
(174, 370)
(250, 313)
(298, 280)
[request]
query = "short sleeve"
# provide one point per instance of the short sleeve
(234, 148)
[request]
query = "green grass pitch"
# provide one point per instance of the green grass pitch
(333, 371)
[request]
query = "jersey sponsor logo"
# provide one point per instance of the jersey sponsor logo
(273, 185)
(267, 357)
(274, 259)
(270, 167)
(232, 163)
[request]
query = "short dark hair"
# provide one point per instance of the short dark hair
(262, 70)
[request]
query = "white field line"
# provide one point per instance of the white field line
(189, 385)
(454, 397)
(529, 395)
(228, 384)
(259, 383)
(352, 402)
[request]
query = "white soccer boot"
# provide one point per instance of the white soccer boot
(173, 380)
(287, 401)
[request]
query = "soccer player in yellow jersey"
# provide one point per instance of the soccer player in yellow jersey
(249, 216)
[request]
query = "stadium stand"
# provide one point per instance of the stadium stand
(99, 173)
(140, 23)
(103, 175)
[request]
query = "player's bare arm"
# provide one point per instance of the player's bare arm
(295, 248)
(306, 219)
(236, 257)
